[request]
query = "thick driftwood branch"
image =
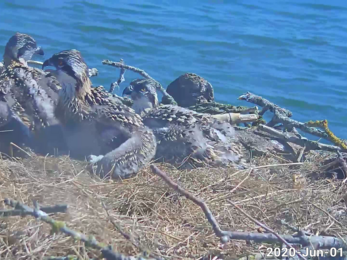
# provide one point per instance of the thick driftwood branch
(264, 103)
(91, 72)
(316, 242)
(310, 145)
(57, 226)
(324, 124)
(216, 108)
(236, 118)
(169, 99)
(282, 116)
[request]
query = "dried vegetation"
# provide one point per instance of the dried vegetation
(159, 220)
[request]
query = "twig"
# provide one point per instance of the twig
(57, 226)
(317, 242)
(234, 189)
(265, 227)
(326, 212)
(168, 98)
(211, 219)
(284, 223)
(120, 79)
(295, 229)
(19, 148)
(20, 212)
(119, 229)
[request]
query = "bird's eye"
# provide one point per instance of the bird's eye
(60, 63)
(143, 90)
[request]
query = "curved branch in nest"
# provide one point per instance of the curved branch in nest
(169, 99)
(315, 242)
(282, 115)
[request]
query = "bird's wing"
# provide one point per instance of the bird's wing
(126, 142)
(100, 95)
(8, 97)
(117, 114)
(166, 115)
(34, 90)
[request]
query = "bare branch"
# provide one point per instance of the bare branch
(18, 211)
(119, 229)
(282, 115)
(120, 79)
(236, 118)
(57, 226)
(168, 98)
(217, 230)
(310, 145)
(316, 242)
(266, 104)
(216, 108)
(280, 238)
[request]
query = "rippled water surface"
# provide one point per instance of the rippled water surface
(291, 52)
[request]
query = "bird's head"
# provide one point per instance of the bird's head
(71, 71)
(21, 46)
(70, 62)
(143, 93)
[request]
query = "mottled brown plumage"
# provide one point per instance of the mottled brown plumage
(34, 94)
(183, 133)
(96, 124)
(31, 95)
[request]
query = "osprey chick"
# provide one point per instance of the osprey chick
(31, 95)
(96, 124)
(182, 133)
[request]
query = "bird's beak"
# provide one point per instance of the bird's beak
(47, 63)
(39, 51)
(127, 91)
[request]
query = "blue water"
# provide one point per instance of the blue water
(293, 53)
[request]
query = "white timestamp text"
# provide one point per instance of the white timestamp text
(291, 252)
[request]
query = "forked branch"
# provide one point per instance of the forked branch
(59, 226)
(121, 65)
(282, 115)
(315, 242)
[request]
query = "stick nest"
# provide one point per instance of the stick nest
(159, 219)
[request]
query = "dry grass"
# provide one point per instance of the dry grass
(164, 222)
